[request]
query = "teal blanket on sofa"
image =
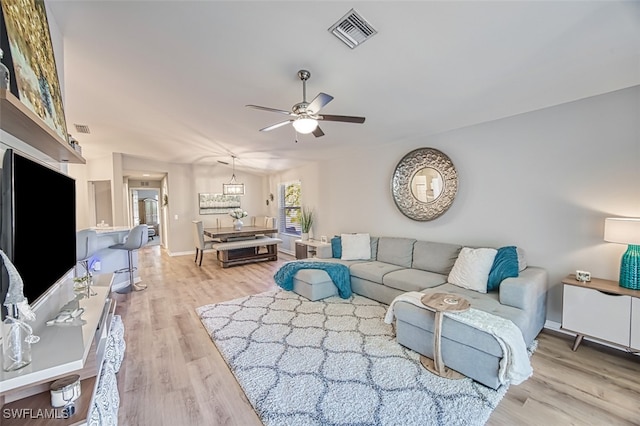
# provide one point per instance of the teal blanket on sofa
(338, 273)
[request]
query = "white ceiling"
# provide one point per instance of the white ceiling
(169, 80)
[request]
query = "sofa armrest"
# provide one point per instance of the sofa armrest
(527, 291)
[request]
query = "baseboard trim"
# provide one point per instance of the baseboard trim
(192, 252)
(183, 253)
(557, 327)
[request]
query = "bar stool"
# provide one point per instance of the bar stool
(137, 237)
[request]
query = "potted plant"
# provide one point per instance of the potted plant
(306, 221)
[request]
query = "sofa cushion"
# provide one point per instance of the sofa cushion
(471, 269)
(397, 251)
(374, 247)
(355, 246)
(435, 257)
(413, 279)
(522, 260)
(489, 302)
(372, 271)
(505, 265)
(336, 247)
(312, 276)
(458, 331)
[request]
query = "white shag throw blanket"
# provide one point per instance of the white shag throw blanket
(515, 365)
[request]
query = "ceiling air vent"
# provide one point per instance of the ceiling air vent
(352, 29)
(82, 128)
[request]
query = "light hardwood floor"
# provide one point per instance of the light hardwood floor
(172, 373)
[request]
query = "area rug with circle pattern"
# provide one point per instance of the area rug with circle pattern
(335, 362)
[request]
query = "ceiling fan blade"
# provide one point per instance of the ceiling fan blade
(280, 111)
(343, 118)
(318, 132)
(275, 126)
(318, 103)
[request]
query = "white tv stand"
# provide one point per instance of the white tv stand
(61, 351)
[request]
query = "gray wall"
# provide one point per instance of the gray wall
(544, 181)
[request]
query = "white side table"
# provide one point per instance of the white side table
(603, 310)
(309, 248)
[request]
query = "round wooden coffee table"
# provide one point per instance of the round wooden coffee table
(441, 303)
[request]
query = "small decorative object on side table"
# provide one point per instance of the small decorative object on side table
(441, 303)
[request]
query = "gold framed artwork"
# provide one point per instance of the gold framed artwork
(217, 203)
(32, 61)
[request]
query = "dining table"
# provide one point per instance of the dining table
(230, 233)
(238, 246)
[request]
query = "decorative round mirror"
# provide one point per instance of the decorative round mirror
(424, 184)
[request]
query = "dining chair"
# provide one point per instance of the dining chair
(199, 240)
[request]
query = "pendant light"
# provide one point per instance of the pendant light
(233, 187)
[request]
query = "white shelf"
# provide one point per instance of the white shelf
(62, 349)
(24, 124)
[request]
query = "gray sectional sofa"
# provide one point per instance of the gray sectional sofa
(400, 265)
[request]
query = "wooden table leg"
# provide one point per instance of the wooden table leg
(437, 339)
(577, 342)
(437, 366)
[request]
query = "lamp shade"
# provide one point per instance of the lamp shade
(305, 125)
(622, 230)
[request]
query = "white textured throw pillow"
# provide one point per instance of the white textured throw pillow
(472, 268)
(356, 246)
(522, 260)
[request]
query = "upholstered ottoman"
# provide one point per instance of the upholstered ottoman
(314, 284)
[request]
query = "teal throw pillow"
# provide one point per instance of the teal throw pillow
(505, 265)
(336, 247)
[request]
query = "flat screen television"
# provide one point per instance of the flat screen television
(37, 224)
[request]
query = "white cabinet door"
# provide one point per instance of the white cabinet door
(596, 314)
(635, 323)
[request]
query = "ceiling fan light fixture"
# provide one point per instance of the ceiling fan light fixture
(305, 125)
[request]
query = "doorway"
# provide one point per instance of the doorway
(145, 210)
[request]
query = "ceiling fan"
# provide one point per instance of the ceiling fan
(305, 115)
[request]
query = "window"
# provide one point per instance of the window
(289, 208)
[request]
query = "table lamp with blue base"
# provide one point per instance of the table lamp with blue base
(626, 231)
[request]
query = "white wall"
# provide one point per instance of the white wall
(544, 181)
(209, 180)
(308, 176)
